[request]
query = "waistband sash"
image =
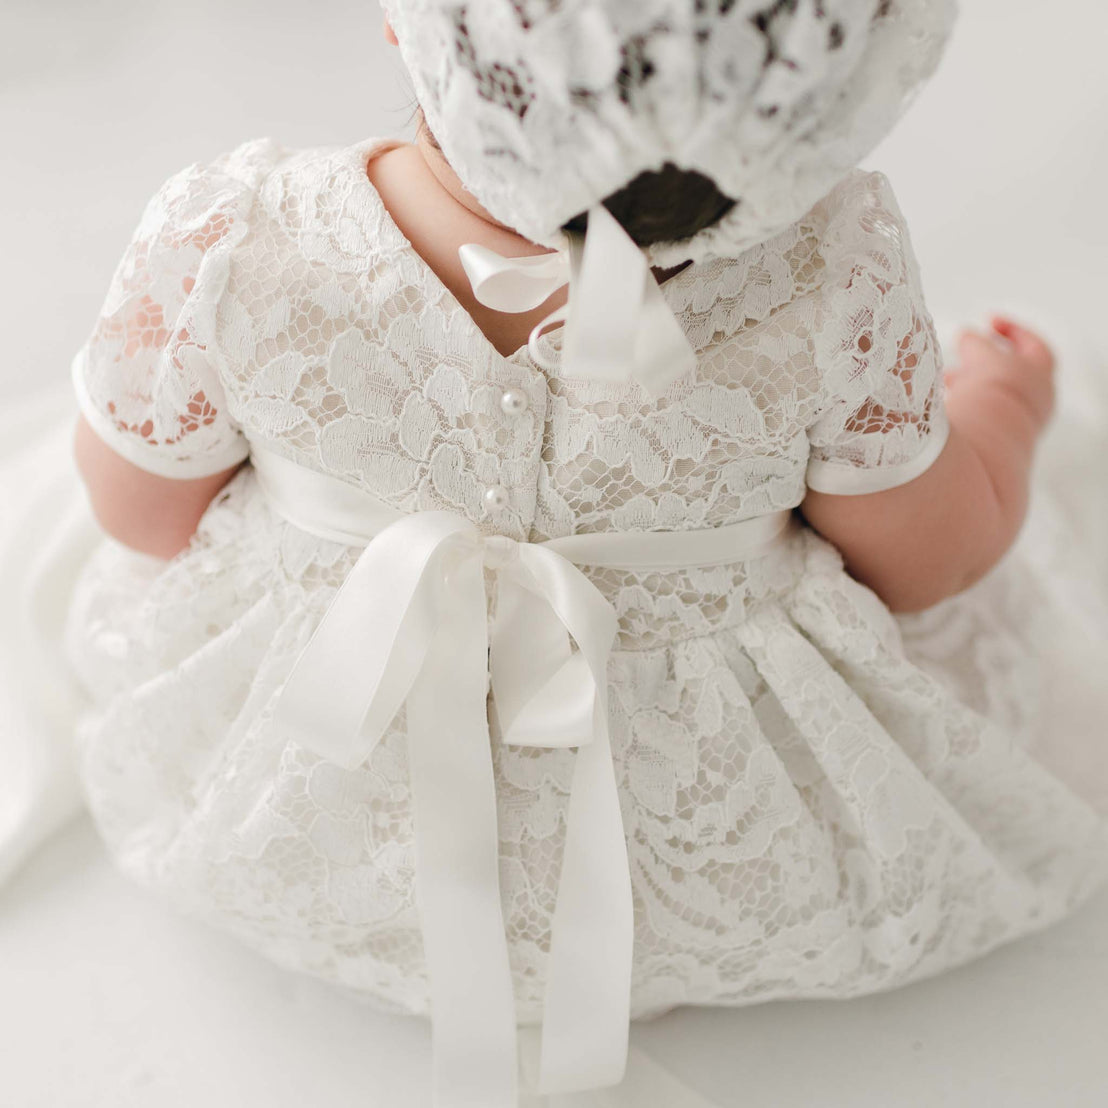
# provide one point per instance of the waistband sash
(409, 628)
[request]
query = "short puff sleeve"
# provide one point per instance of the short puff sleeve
(147, 379)
(881, 422)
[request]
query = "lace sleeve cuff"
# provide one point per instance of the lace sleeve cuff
(843, 479)
(150, 456)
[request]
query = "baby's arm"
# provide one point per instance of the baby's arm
(921, 542)
(154, 515)
(156, 440)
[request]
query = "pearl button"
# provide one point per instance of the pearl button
(496, 498)
(513, 402)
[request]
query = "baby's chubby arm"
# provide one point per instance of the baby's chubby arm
(935, 536)
(154, 515)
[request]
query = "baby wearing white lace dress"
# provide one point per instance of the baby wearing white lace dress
(328, 405)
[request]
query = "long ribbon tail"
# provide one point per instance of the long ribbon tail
(588, 993)
(619, 324)
(457, 867)
(588, 989)
(647, 1084)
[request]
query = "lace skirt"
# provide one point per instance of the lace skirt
(819, 799)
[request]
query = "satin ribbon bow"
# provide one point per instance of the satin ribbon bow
(410, 627)
(618, 325)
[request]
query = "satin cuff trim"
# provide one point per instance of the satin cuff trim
(839, 479)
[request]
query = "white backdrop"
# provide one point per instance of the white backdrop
(108, 1000)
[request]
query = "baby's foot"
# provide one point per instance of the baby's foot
(1012, 358)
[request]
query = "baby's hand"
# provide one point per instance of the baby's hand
(1012, 360)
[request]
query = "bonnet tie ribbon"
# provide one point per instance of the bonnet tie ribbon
(618, 325)
(409, 627)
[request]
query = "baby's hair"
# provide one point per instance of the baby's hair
(663, 205)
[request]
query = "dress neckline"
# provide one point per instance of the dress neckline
(362, 153)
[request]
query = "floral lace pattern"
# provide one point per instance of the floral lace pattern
(818, 799)
(146, 378)
(544, 108)
(359, 362)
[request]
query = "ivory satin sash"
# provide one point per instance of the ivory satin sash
(409, 627)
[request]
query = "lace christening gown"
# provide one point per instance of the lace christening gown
(819, 799)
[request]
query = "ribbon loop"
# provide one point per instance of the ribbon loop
(358, 668)
(618, 324)
(513, 284)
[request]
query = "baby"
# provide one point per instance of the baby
(516, 674)
(897, 542)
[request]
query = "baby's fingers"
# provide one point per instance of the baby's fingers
(1026, 343)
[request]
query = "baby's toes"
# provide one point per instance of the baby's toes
(975, 351)
(1026, 342)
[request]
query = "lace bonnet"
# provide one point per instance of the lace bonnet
(545, 107)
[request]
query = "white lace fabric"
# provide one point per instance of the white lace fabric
(818, 799)
(546, 107)
(163, 406)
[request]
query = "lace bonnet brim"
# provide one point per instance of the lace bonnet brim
(545, 107)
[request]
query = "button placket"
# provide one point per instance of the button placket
(509, 503)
